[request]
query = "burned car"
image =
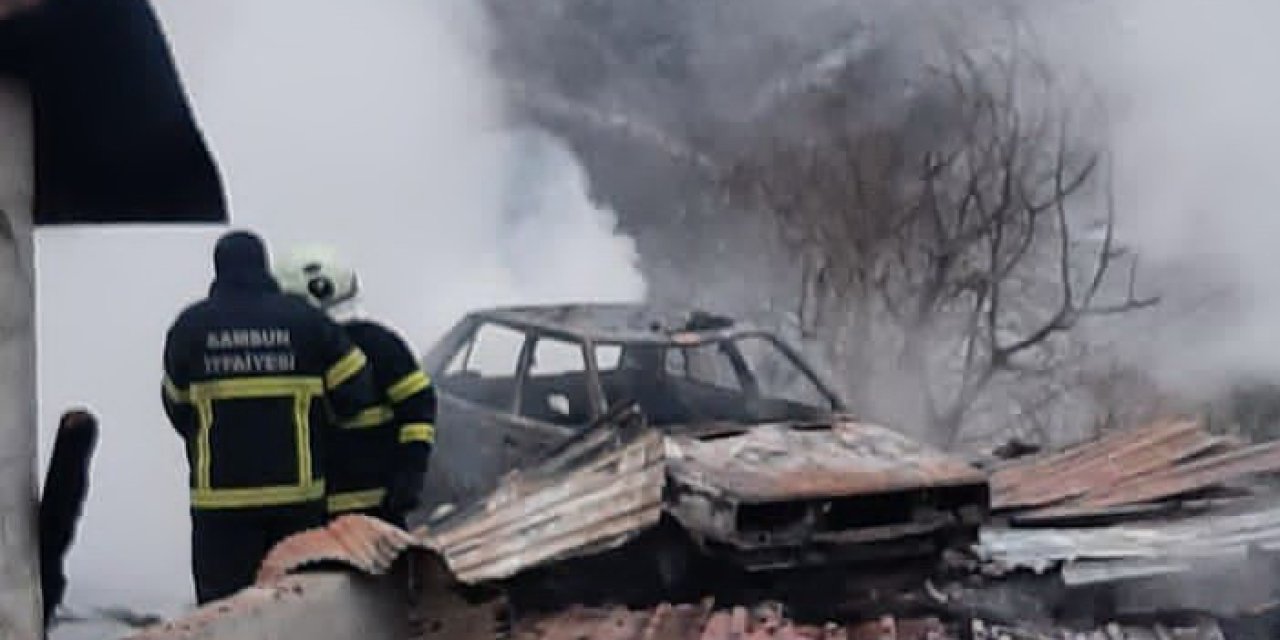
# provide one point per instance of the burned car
(730, 434)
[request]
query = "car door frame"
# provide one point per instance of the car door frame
(467, 474)
(527, 439)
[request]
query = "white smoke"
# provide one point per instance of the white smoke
(1194, 124)
(376, 127)
(380, 130)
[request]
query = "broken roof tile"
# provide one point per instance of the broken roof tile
(357, 541)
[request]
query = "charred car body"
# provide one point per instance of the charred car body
(573, 429)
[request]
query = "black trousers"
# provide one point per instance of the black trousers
(228, 546)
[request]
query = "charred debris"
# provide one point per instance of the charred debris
(749, 518)
(1161, 531)
(583, 546)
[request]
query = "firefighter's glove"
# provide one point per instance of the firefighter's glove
(403, 494)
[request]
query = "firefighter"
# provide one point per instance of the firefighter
(382, 459)
(255, 381)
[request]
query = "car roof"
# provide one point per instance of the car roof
(623, 323)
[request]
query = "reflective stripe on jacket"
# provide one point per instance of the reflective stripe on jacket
(397, 433)
(256, 382)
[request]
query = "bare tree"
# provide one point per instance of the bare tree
(972, 233)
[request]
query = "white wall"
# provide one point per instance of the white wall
(19, 598)
(106, 296)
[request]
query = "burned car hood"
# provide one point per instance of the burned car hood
(791, 461)
(607, 485)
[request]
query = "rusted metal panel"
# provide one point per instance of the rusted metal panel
(1019, 470)
(1103, 554)
(789, 462)
(553, 512)
(611, 483)
(1097, 466)
(1127, 473)
(1189, 477)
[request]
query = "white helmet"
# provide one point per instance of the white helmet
(319, 275)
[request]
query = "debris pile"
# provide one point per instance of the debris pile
(768, 622)
(1147, 523)
(1164, 531)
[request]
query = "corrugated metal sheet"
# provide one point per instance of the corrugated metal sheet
(595, 493)
(1128, 473)
(1101, 464)
(1104, 554)
(1188, 477)
(785, 462)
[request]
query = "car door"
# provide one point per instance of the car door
(554, 399)
(476, 394)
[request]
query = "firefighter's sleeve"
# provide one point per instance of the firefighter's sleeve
(413, 402)
(175, 387)
(348, 379)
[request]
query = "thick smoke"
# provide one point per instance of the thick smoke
(1177, 95)
(1199, 125)
(1193, 124)
(381, 131)
(376, 127)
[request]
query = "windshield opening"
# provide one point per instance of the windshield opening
(746, 379)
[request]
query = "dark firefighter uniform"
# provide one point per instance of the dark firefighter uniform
(381, 456)
(255, 381)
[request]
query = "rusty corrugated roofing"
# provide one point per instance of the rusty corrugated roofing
(1188, 477)
(598, 492)
(1088, 467)
(782, 462)
(1126, 470)
(357, 541)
